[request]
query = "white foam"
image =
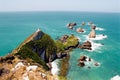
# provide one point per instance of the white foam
(98, 37)
(79, 39)
(95, 45)
(55, 68)
(117, 77)
(90, 63)
(99, 28)
(82, 32)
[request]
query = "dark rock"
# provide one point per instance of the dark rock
(82, 58)
(86, 45)
(89, 59)
(71, 47)
(61, 55)
(4, 71)
(82, 64)
(38, 35)
(94, 27)
(71, 24)
(5, 59)
(96, 64)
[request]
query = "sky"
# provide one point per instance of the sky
(60, 5)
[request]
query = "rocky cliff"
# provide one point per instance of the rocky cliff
(31, 56)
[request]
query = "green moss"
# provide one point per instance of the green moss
(26, 53)
(60, 46)
(51, 47)
(71, 41)
(46, 42)
(64, 67)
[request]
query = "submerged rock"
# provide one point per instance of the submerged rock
(83, 23)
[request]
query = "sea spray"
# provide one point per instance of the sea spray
(95, 46)
(55, 69)
(98, 37)
(99, 29)
(117, 77)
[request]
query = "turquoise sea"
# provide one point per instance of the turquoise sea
(17, 26)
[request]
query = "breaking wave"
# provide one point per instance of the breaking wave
(98, 37)
(100, 29)
(117, 77)
(55, 68)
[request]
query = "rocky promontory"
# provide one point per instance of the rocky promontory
(29, 61)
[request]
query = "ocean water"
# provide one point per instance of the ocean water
(17, 26)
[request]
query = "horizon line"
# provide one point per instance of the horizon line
(61, 11)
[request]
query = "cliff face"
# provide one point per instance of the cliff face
(40, 44)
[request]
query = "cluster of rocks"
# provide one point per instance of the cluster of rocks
(83, 59)
(71, 25)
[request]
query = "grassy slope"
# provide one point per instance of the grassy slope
(26, 51)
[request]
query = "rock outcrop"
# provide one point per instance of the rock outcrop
(86, 45)
(80, 30)
(94, 27)
(81, 61)
(87, 61)
(83, 23)
(71, 25)
(92, 34)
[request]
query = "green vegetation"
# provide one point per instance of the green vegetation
(60, 46)
(71, 41)
(31, 50)
(64, 67)
(26, 53)
(46, 42)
